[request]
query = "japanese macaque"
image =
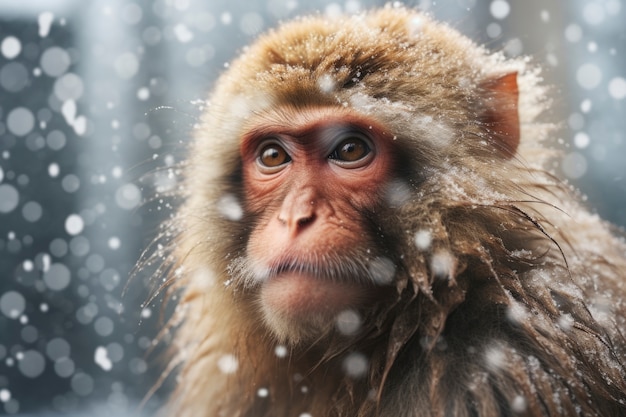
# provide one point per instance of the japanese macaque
(369, 229)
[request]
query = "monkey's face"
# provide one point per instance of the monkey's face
(309, 178)
(314, 135)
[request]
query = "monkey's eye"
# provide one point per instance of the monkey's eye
(273, 156)
(352, 151)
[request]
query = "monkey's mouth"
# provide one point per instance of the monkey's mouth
(347, 270)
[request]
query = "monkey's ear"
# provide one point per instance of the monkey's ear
(501, 115)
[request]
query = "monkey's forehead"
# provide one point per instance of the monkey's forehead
(396, 54)
(385, 48)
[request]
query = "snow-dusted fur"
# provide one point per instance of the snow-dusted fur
(509, 297)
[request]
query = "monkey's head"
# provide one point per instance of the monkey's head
(345, 166)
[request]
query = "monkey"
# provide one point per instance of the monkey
(370, 226)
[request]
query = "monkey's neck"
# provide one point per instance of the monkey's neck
(310, 379)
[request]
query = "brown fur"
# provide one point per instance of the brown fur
(526, 318)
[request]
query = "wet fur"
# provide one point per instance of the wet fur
(530, 318)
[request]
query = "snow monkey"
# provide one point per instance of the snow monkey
(368, 228)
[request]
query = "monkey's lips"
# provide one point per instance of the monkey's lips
(298, 294)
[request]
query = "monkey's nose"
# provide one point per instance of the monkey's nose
(296, 218)
(298, 210)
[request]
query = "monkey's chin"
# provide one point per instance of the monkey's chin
(299, 307)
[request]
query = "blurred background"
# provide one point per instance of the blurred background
(97, 99)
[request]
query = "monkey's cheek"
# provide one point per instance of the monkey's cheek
(292, 300)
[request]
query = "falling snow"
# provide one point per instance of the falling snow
(519, 404)
(5, 395)
(182, 33)
(573, 33)
(589, 76)
(280, 351)
(55, 61)
(74, 224)
(423, 239)
(126, 65)
(31, 363)
(443, 264)
(574, 165)
(228, 364)
(9, 198)
(10, 47)
(495, 357)
(229, 207)
(101, 358)
(12, 304)
(500, 9)
(20, 121)
(45, 20)
(94, 102)
(617, 88)
(57, 277)
(581, 140)
(355, 365)
(128, 196)
(348, 322)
